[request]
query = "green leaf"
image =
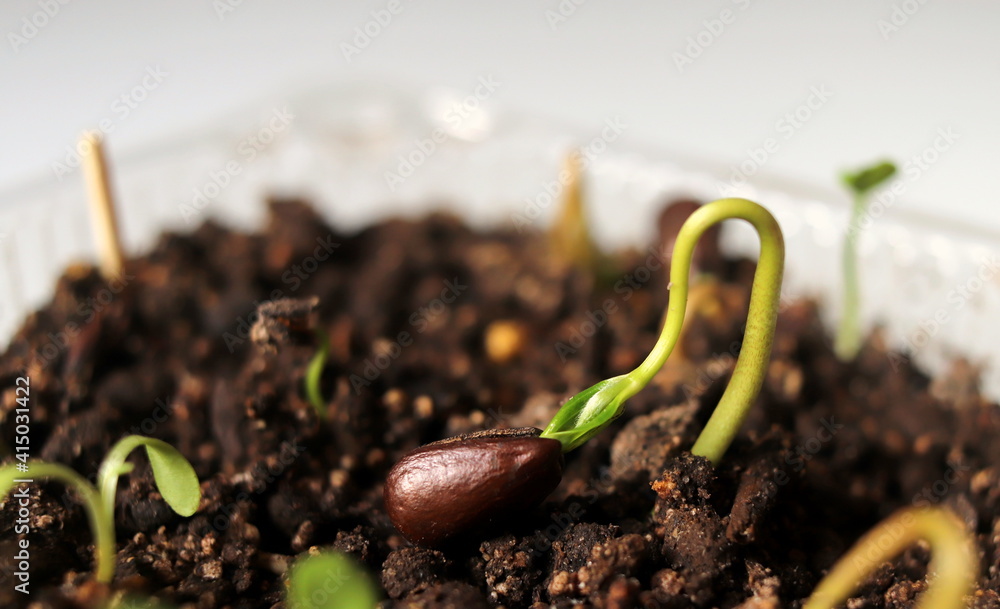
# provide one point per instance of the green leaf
(589, 411)
(330, 580)
(175, 478)
(868, 178)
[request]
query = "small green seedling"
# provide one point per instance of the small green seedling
(314, 373)
(861, 184)
(586, 413)
(330, 580)
(174, 477)
(952, 551)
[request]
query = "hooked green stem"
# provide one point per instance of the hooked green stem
(592, 409)
(101, 524)
(951, 550)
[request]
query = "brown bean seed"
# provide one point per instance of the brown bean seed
(469, 483)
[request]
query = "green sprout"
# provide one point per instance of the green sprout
(861, 183)
(330, 579)
(586, 413)
(314, 373)
(952, 559)
(174, 477)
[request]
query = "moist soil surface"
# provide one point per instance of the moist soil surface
(437, 330)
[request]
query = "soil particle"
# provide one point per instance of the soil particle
(763, 478)
(412, 569)
(609, 568)
(511, 568)
(647, 443)
(277, 321)
(449, 595)
(693, 533)
(764, 586)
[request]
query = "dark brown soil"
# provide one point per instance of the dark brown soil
(436, 330)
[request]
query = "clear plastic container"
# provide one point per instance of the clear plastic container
(363, 152)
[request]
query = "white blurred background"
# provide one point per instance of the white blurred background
(723, 81)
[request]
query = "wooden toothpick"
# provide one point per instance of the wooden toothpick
(570, 234)
(102, 205)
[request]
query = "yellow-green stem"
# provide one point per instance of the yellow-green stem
(952, 559)
(848, 340)
(314, 375)
(101, 521)
(586, 413)
(765, 299)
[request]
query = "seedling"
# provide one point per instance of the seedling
(861, 184)
(952, 559)
(174, 477)
(330, 579)
(314, 373)
(591, 410)
(447, 488)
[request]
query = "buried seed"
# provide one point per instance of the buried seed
(446, 489)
